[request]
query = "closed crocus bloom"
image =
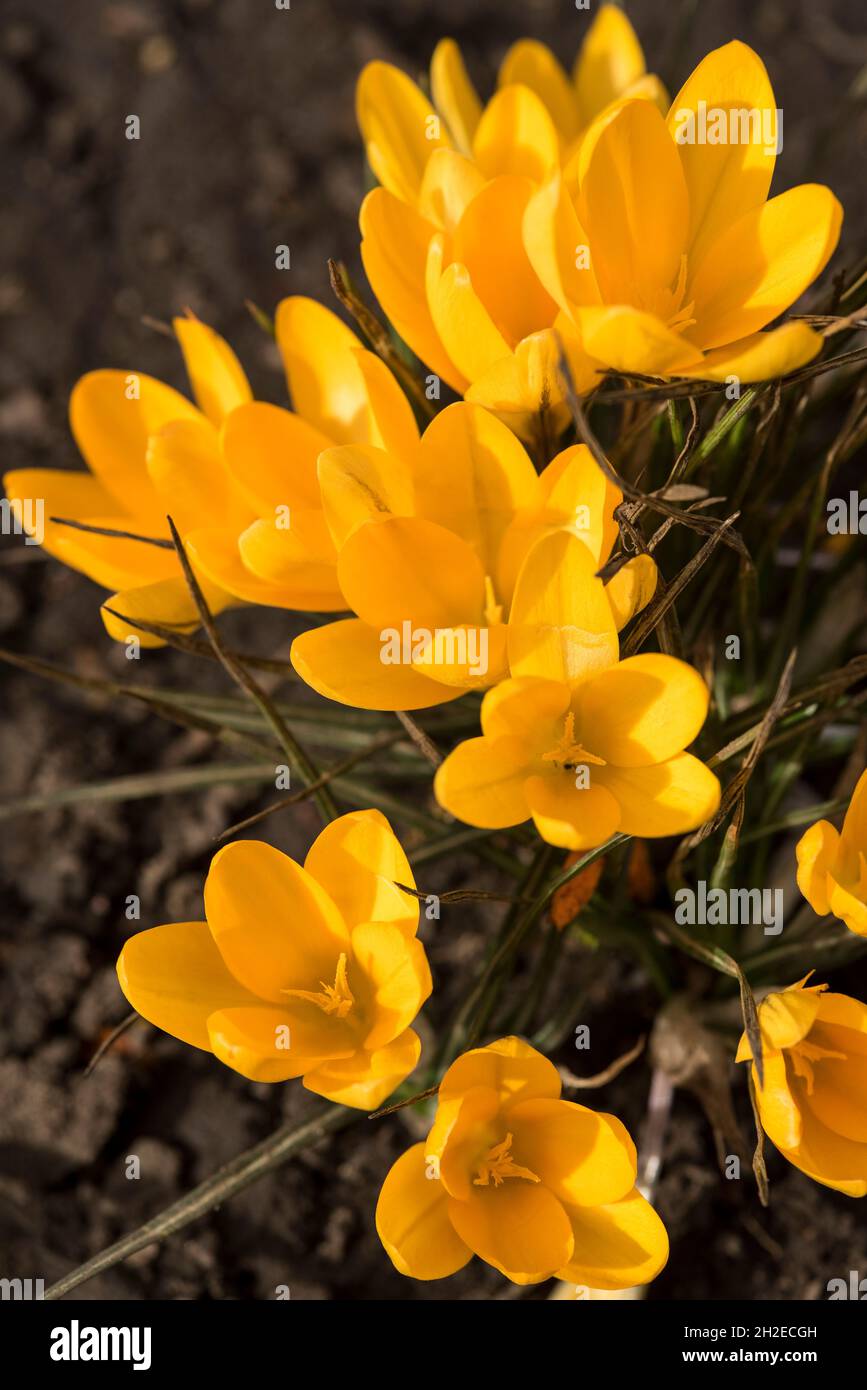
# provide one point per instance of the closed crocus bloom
(832, 864)
(580, 741)
(442, 237)
(237, 476)
(532, 1184)
(687, 260)
(429, 544)
(813, 1104)
(313, 972)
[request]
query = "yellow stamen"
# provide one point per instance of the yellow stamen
(498, 1164)
(335, 999)
(569, 753)
(493, 610)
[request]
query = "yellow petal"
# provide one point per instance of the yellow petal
(608, 61)
(451, 182)
(560, 625)
(569, 816)
(635, 208)
(631, 341)
(525, 384)
(631, 589)
(175, 977)
(276, 928)
(390, 978)
(510, 1066)
(724, 180)
(272, 1044)
(482, 781)
(325, 382)
(583, 1157)
(470, 656)
(459, 1130)
(520, 1228)
(472, 476)
(216, 554)
(271, 453)
(343, 662)
(616, 1246)
(533, 65)
(463, 324)
(829, 1158)
(405, 569)
(361, 483)
(557, 246)
(854, 833)
(787, 1017)
(817, 852)
(365, 1080)
(516, 136)
(454, 95)
(643, 710)
(391, 422)
(666, 799)
(394, 250)
(185, 465)
(299, 559)
(167, 603)
(528, 707)
(112, 415)
(839, 1097)
(399, 127)
(762, 263)
(781, 1118)
(216, 375)
(358, 859)
(761, 356)
(412, 1221)
(850, 909)
(501, 274)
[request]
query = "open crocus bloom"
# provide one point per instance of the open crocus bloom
(442, 237)
(686, 260)
(580, 741)
(813, 1105)
(429, 545)
(313, 972)
(237, 476)
(832, 864)
(534, 1185)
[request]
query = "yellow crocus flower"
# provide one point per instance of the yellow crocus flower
(832, 864)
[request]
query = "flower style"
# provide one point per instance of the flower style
(813, 1105)
(238, 476)
(653, 249)
(429, 545)
(580, 741)
(313, 972)
(534, 1185)
(832, 867)
(442, 239)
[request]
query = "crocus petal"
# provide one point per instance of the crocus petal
(406, 569)
(275, 926)
(817, 852)
(848, 907)
(298, 559)
(634, 205)
(394, 249)
(390, 979)
(762, 263)
(616, 1246)
(786, 1017)
(268, 1044)
(557, 246)
(576, 495)
(399, 128)
(523, 388)
(362, 483)
(454, 95)
(569, 816)
(358, 859)
(520, 1228)
(482, 781)
(216, 375)
(216, 554)
(366, 1079)
(582, 1156)
(499, 269)
(632, 341)
(325, 382)
(175, 977)
(472, 476)
(759, 357)
(827, 1157)
(631, 589)
(854, 832)
(186, 468)
(516, 136)
(839, 1097)
(560, 625)
(343, 662)
(271, 453)
(412, 1220)
(781, 1118)
(166, 603)
(526, 706)
(391, 422)
(467, 332)
(509, 1066)
(533, 65)
(112, 415)
(451, 182)
(728, 179)
(667, 799)
(643, 710)
(608, 61)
